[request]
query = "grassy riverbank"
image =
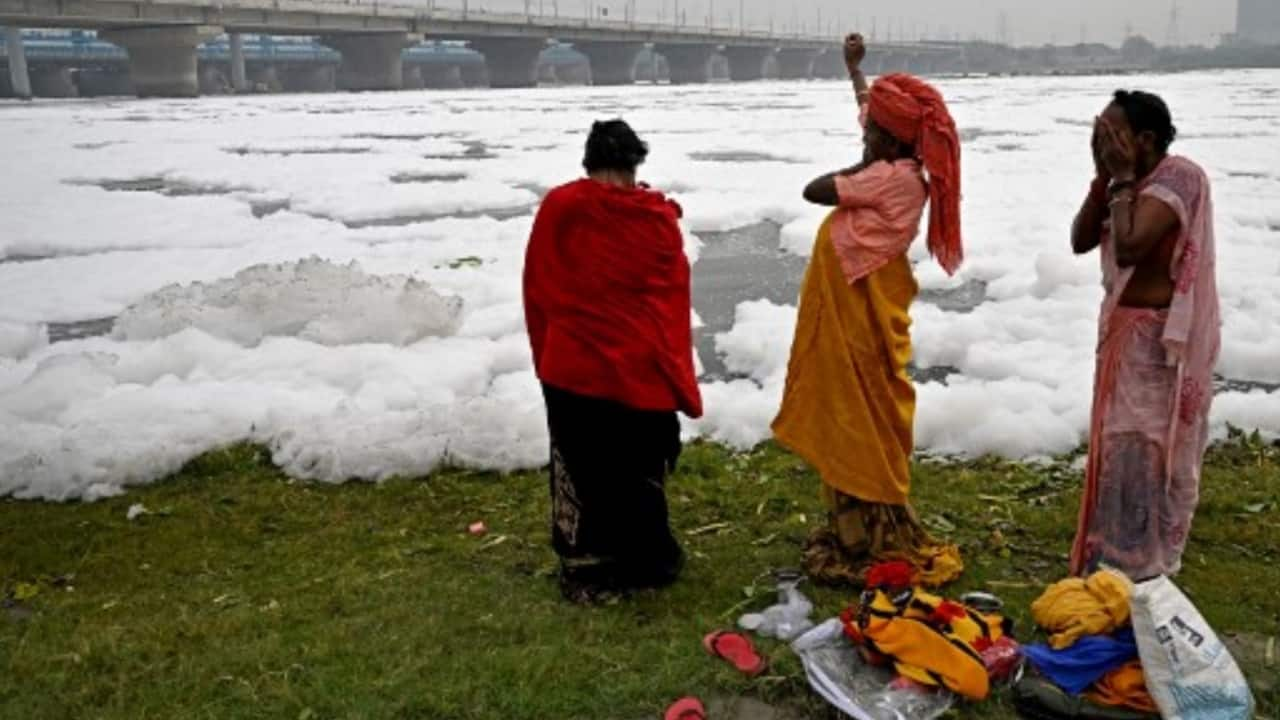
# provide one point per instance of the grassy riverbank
(246, 595)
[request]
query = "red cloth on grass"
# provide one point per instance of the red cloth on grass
(607, 297)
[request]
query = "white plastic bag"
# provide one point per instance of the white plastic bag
(1189, 672)
(836, 672)
(785, 621)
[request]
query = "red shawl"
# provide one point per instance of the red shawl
(607, 297)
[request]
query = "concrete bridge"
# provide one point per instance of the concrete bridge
(78, 63)
(162, 37)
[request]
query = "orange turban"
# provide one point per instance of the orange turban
(914, 112)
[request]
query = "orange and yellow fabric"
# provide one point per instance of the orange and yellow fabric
(1074, 608)
(1126, 687)
(930, 654)
(975, 629)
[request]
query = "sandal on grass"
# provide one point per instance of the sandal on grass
(686, 709)
(737, 649)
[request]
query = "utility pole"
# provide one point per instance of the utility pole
(1172, 38)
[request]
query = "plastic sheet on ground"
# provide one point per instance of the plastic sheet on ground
(837, 673)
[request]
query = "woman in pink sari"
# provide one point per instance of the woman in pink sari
(1151, 216)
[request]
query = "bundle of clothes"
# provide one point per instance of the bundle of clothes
(928, 640)
(1090, 667)
(1099, 630)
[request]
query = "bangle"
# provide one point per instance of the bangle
(1125, 199)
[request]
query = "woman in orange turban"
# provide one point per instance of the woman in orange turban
(849, 405)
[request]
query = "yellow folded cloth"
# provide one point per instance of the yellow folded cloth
(1074, 608)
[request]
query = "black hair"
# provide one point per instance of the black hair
(613, 145)
(1147, 112)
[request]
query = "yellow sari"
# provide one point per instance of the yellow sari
(848, 409)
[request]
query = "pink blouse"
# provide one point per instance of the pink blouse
(879, 215)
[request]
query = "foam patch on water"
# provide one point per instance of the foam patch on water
(89, 422)
(312, 299)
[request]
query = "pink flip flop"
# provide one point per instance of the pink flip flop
(686, 709)
(737, 649)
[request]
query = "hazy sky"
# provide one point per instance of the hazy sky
(1029, 21)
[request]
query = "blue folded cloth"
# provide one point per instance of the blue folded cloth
(1078, 667)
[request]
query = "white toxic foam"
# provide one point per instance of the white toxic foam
(310, 299)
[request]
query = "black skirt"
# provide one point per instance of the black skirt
(609, 465)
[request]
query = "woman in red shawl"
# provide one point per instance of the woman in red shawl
(849, 405)
(608, 309)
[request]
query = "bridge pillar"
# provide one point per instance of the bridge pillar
(612, 63)
(749, 63)
(371, 61)
(162, 60)
(796, 64)
(510, 62)
(19, 78)
(239, 81)
(689, 64)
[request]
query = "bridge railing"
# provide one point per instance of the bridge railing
(459, 14)
(695, 17)
(460, 21)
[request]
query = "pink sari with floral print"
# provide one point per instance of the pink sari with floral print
(1151, 398)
